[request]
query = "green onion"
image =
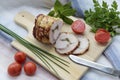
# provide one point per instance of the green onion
(43, 55)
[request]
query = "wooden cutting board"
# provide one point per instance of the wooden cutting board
(26, 20)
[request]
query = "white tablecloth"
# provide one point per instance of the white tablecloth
(8, 9)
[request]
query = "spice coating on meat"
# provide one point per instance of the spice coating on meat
(45, 28)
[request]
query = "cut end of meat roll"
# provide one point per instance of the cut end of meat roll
(47, 29)
(84, 45)
(66, 43)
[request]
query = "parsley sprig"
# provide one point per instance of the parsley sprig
(103, 17)
(62, 11)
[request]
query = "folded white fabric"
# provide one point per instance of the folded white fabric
(113, 52)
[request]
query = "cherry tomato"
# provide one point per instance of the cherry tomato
(20, 57)
(102, 36)
(14, 69)
(78, 26)
(30, 68)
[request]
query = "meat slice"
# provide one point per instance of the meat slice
(47, 29)
(61, 43)
(84, 45)
(66, 43)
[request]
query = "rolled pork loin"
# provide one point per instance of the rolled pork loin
(47, 29)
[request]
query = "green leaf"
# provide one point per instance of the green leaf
(97, 9)
(112, 34)
(58, 6)
(96, 3)
(67, 6)
(104, 4)
(94, 29)
(68, 12)
(66, 19)
(114, 5)
(51, 13)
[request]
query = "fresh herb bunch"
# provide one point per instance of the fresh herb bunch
(62, 11)
(103, 17)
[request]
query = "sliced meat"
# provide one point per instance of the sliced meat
(66, 43)
(61, 43)
(84, 45)
(47, 29)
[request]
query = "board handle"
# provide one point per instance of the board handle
(25, 19)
